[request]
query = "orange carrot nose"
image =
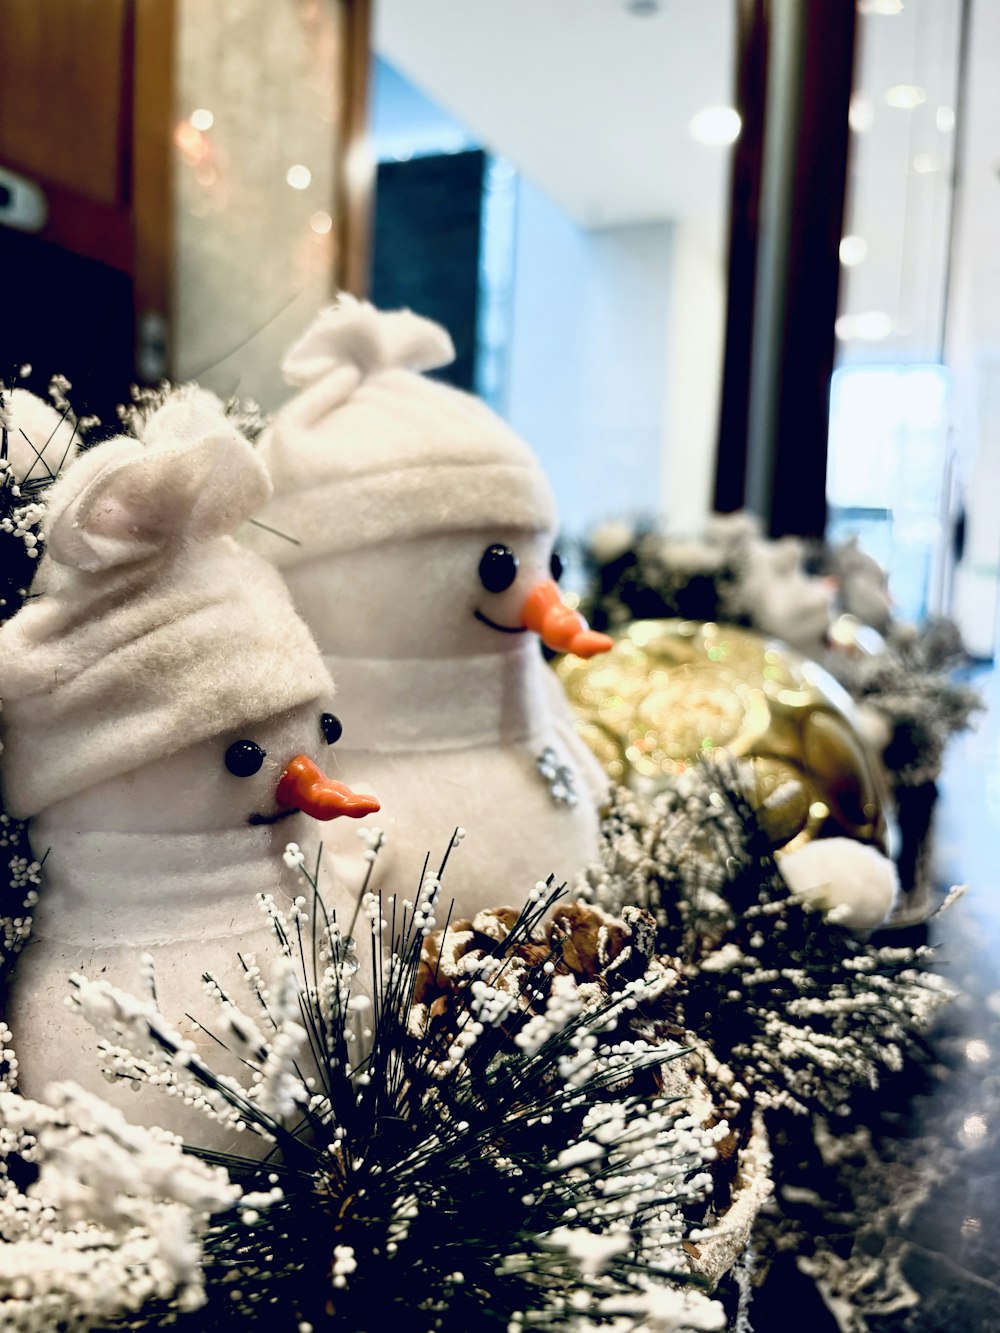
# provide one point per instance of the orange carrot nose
(558, 625)
(305, 787)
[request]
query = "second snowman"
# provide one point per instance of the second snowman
(416, 536)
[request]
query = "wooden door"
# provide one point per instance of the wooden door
(86, 118)
(93, 94)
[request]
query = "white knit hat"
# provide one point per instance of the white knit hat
(155, 629)
(371, 450)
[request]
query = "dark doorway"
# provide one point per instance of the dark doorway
(428, 214)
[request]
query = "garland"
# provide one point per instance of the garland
(550, 1119)
(537, 1120)
(638, 574)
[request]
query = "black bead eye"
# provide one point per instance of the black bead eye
(244, 759)
(556, 566)
(498, 568)
(332, 728)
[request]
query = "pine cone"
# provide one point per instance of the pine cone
(579, 940)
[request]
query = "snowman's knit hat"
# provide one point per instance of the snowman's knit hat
(372, 451)
(154, 629)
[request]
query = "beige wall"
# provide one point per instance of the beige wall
(252, 263)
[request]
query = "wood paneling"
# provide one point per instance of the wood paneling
(86, 111)
(88, 229)
(818, 181)
(63, 85)
(355, 176)
(786, 213)
(753, 22)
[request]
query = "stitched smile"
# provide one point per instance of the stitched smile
(504, 629)
(271, 819)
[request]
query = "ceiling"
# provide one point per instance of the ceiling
(589, 99)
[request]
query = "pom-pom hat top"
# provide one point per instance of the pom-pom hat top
(40, 440)
(155, 629)
(372, 451)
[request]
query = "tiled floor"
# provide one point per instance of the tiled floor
(956, 1234)
(926, 1204)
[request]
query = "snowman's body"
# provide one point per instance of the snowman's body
(394, 489)
(456, 742)
(185, 899)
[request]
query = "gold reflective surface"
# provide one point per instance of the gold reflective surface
(673, 691)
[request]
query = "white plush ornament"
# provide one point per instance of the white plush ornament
(40, 440)
(780, 596)
(864, 588)
(852, 882)
(787, 602)
(422, 532)
(611, 540)
(163, 707)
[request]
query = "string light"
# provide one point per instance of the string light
(299, 177)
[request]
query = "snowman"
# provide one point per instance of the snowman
(164, 709)
(415, 531)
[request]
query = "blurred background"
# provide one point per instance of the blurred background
(703, 254)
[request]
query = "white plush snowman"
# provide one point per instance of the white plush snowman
(416, 536)
(863, 586)
(164, 708)
(787, 602)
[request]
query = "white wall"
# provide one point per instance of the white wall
(616, 362)
(251, 269)
(977, 428)
(693, 372)
(973, 349)
(588, 352)
(616, 331)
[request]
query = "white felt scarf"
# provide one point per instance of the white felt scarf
(420, 704)
(134, 891)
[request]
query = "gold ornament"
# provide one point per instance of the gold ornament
(672, 691)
